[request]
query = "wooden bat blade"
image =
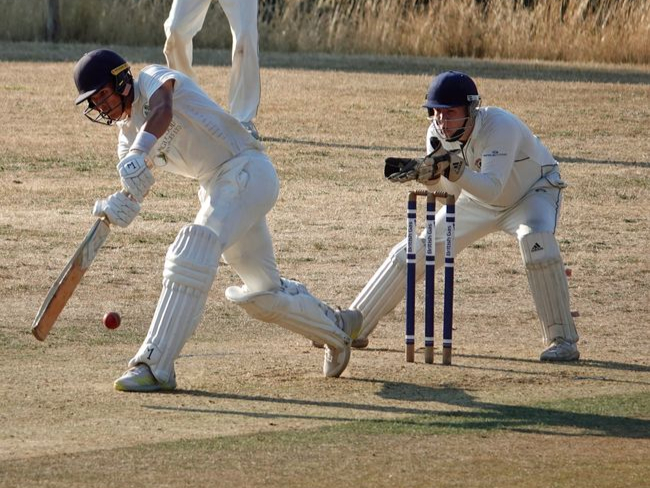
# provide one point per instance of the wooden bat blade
(67, 282)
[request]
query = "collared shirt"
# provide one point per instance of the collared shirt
(201, 135)
(504, 159)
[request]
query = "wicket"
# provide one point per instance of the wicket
(429, 276)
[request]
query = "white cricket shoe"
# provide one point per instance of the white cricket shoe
(336, 360)
(252, 130)
(560, 350)
(140, 378)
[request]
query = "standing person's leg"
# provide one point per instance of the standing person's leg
(245, 85)
(185, 20)
(533, 221)
(386, 288)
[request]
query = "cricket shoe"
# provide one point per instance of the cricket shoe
(140, 379)
(560, 350)
(336, 360)
(252, 130)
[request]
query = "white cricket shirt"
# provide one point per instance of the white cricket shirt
(201, 135)
(504, 159)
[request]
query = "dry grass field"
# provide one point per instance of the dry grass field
(251, 408)
(614, 31)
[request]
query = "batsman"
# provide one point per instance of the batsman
(504, 179)
(163, 116)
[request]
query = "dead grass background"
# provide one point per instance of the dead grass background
(614, 31)
(252, 407)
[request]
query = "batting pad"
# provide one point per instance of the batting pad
(549, 286)
(386, 288)
(295, 309)
(190, 267)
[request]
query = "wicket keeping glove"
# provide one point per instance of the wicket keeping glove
(424, 170)
(119, 209)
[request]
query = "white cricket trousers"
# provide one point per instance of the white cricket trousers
(234, 204)
(537, 211)
(185, 20)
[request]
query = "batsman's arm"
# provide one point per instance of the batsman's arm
(134, 174)
(67, 281)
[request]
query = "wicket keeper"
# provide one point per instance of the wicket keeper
(505, 180)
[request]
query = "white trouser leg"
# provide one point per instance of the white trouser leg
(245, 85)
(234, 204)
(185, 20)
(190, 267)
(294, 308)
(253, 259)
(548, 284)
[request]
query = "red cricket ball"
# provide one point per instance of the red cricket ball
(112, 320)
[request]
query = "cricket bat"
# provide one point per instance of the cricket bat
(65, 284)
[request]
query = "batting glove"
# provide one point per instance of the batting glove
(119, 209)
(135, 175)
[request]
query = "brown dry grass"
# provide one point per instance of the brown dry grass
(252, 407)
(574, 30)
(615, 31)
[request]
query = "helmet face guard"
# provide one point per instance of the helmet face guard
(94, 114)
(453, 89)
(95, 70)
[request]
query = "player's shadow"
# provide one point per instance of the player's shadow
(521, 418)
(589, 363)
(509, 366)
(422, 407)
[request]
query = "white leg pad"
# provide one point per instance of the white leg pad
(549, 286)
(190, 267)
(294, 308)
(386, 288)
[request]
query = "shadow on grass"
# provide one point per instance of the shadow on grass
(370, 147)
(410, 65)
(589, 363)
(570, 419)
(340, 145)
(570, 160)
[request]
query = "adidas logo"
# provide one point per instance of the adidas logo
(536, 248)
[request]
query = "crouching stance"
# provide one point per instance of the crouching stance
(166, 120)
(504, 180)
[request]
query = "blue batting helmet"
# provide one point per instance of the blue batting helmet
(97, 68)
(451, 89)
